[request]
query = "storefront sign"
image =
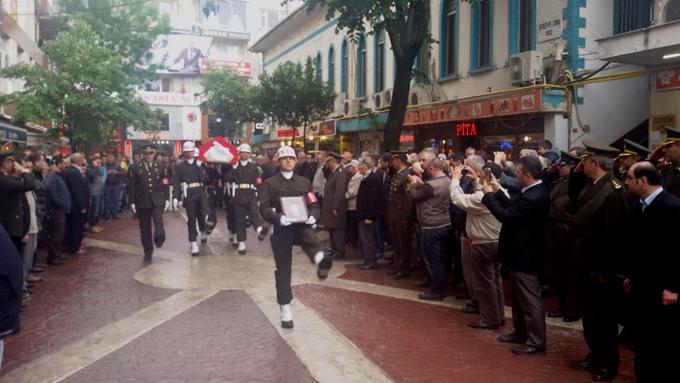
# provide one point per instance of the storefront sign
(170, 98)
(407, 136)
(668, 79)
(466, 129)
(522, 102)
(286, 133)
(240, 68)
(325, 128)
(225, 34)
(549, 29)
(12, 133)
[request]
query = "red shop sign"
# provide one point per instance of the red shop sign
(286, 133)
(466, 129)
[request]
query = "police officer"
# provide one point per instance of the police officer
(244, 180)
(188, 181)
(601, 208)
(632, 153)
(399, 215)
(670, 168)
(148, 191)
(288, 231)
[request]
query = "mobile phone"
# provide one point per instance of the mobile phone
(488, 173)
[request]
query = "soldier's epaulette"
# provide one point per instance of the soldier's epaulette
(616, 185)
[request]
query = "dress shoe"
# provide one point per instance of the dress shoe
(323, 265)
(33, 279)
(262, 234)
(481, 324)
(204, 237)
(368, 266)
(513, 337)
(469, 309)
(571, 318)
(524, 349)
(556, 314)
(242, 248)
(55, 262)
(286, 316)
(430, 296)
(400, 275)
(604, 374)
(585, 364)
(422, 283)
(147, 256)
(194, 249)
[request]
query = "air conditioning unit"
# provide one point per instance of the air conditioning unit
(667, 11)
(382, 99)
(339, 108)
(351, 107)
(526, 66)
(419, 95)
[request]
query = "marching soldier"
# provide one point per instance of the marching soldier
(244, 180)
(601, 208)
(148, 191)
(670, 169)
(288, 231)
(400, 215)
(187, 183)
(631, 154)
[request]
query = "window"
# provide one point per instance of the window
(630, 15)
(672, 11)
(165, 85)
(526, 23)
(361, 67)
(379, 84)
(317, 64)
(482, 24)
(331, 68)
(269, 18)
(344, 66)
(449, 37)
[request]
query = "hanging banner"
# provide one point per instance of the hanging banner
(219, 151)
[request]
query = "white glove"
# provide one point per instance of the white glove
(133, 208)
(174, 203)
(284, 221)
(311, 220)
(167, 206)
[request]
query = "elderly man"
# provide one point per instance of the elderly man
(368, 210)
(482, 230)
(351, 229)
(319, 179)
(432, 208)
(78, 187)
(334, 209)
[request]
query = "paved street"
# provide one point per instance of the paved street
(108, 317)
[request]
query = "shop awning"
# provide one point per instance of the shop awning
(358, 124)
(12, 133)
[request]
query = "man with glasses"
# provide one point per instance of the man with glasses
(148, 191)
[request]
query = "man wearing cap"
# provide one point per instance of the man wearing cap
(188, 184)
(399, 215)
(558, 239)
(288, 231)
(148, 191)
(15, 180)
(670, 152)
(631, 154)
(245, 178)
(601, 208)
(334, 209)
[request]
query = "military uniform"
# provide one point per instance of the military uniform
(148, 190)
(670, 172)
(399, 217)
(188, 185)
(632, 152)
(244, 179)
(212, 186)
(601, 209)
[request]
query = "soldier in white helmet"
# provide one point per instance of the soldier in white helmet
(291, 227)
(245, 178)
(188, 181)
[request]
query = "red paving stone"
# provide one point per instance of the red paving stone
(418, 342)
(223, 339)
(87, 293)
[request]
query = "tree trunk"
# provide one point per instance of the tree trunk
(399, 103)
(304, 137)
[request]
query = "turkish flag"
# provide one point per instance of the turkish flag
(218, 151)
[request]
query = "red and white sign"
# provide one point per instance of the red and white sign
(287, 133)
(218, 150)
(668, 79)
(240, 68)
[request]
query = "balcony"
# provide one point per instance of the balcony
(654, 46)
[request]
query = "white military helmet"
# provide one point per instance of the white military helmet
(285, 151)
(188, 146)
(244, 148)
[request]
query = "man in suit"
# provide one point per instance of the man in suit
(190, 57)
(520, 246)
(368, 211)
(79, 189)
(382, 172)
(15, 180)
(601, 204)
(334, 209)
(653, 275)
(148, 191)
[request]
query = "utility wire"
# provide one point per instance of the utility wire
(38, 14)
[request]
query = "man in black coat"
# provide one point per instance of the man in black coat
(520, 246)
(11, 288)
(653, 275)
(79, 189)
(368, 211)
(12, 189)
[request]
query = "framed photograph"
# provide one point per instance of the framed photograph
(295, 208)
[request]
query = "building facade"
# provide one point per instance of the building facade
(497, 77)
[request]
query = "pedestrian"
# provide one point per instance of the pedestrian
(382, 172)
(79, 189)
(148, 190)
(601, 208)
(482, 230)
(400, 215)
(31, 227)
(431, 198)
(15, 180)
(58, 206)
(368, 210)
(351, 228)
(96, 179)
(288, 233)
(520, 246)
(653, 275)
(113, 185)
(188, 181)
(334, 213)
(319, 179)
(245, 179)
